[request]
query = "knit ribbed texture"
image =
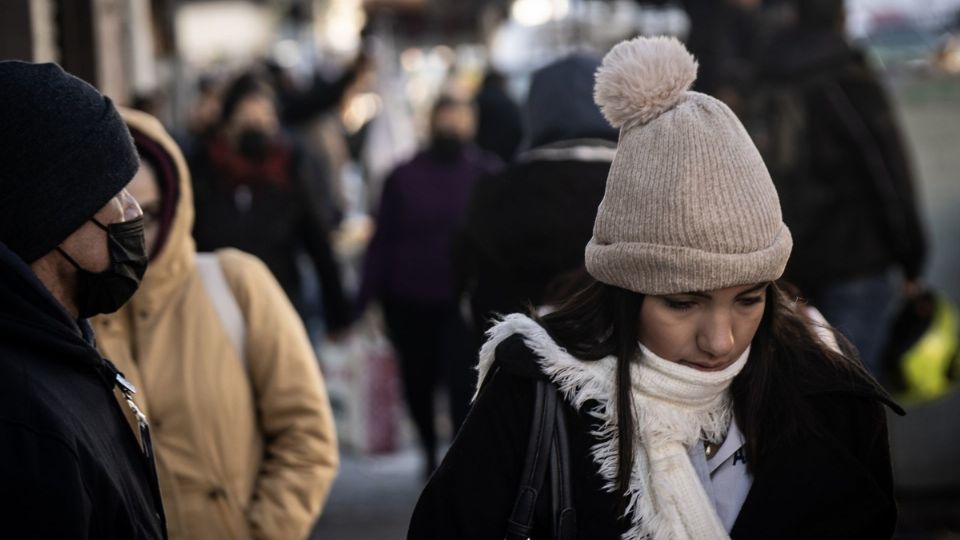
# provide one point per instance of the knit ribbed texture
(689, 204)
(676, 408)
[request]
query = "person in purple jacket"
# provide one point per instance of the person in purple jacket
(409, 265)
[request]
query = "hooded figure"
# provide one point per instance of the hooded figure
(246, 446)
(71, 246)
(830, 136)
(526, 227)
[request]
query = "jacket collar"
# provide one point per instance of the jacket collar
(597, 150)
(30, 315)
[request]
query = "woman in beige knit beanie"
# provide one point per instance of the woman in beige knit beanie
(695, 401)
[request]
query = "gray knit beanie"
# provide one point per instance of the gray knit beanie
(689, 204)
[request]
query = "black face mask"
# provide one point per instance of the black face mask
(447, 147)
(253, 144)
(107, 291)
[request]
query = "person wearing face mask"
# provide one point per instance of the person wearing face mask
(408, 266)
(246, 446)
(71, 247)
(258, 191)
(694, 400)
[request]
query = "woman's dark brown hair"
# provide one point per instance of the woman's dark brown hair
(602, 320)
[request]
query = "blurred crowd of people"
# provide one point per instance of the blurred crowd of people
(490, 217)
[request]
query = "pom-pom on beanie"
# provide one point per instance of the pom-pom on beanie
(689, 205)
(65, 152)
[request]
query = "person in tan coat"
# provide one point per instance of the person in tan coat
(244, 433)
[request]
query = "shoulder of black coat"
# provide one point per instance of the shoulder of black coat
(515, 357)
(817, 377)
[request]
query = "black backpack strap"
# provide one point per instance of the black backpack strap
(564, 515)
(520, 523)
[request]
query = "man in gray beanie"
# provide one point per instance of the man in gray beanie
(71, 246)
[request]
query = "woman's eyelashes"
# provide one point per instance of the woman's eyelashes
(751, 300)
(680, 305)
(683, 304)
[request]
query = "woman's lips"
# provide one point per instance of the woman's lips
(717, 366)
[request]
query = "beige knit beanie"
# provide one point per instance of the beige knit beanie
(689, 205)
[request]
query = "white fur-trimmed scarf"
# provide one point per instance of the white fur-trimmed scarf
(676, 406)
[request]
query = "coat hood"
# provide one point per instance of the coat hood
(171, 264)
(560, 104)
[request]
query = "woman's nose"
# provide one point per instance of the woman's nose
(716, 335)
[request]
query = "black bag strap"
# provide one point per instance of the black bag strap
(564, 516)
(520, 523)
(547, 447)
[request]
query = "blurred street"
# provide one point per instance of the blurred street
(372, 499)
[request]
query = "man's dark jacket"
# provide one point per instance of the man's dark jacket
(833, 485)
(70, 466)
(850, 201)
(527, 227)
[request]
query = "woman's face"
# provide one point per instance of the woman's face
(707, 331)
(254, 112)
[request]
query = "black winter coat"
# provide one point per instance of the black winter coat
(837, 485)
(528, 226)
(70, 466)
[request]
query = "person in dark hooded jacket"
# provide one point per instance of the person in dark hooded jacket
(830, 137)
(526, 227)
(71, 246)
(499, 121)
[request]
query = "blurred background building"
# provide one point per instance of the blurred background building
(172, 58)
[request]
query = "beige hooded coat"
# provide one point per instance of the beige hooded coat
(246, 448)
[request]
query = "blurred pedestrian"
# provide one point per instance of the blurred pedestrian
(409, 268)
(526, 227)
(203, 116)
(830, 137)
(305, 112)
(695, 401)
(499, 121)
(246, 446)
(71, 246)
(299, 106)
(257, 190)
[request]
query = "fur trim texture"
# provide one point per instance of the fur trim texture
(642, 78)
(581, 382)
